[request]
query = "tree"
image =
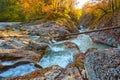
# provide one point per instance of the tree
(10, 11)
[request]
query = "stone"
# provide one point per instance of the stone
(49, 30)
(12, 54)
(103, 64)
(70, 73)
(110, 37)
(50, 73)
(18, 57)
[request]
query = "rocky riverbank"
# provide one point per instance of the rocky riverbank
(22, 46)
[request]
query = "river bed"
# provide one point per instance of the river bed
(58, 54)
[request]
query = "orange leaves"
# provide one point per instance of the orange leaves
(47, 8)
(25, 5)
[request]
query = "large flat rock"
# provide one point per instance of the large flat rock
(103, 64)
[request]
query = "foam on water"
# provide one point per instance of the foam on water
(57, 57)
(84, 42)
(6, 62)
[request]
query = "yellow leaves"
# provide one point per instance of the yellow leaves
(47, 8)
(25, 5)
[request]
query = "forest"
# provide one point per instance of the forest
(22, 10)
(59, 39)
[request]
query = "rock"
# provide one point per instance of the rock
(50, 73)
(7, 25)
(4, 27)
(37, 47)
(79, 60)
(12, 54)
(103, 64)
(73, 46)
(70, 73)
(49, 30)
(18, 57)
(49, 24)
(14, 43)
(53, 73)
(110, 37)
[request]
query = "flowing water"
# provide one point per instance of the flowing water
(19, 70)
(58, 54)
(62, 56)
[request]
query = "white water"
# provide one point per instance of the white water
(62, 56)
(7, 62)
(58, 56)
(85, 42)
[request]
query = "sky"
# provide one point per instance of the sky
(81, 3)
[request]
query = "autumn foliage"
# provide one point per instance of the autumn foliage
(94, 11)
(22, 10)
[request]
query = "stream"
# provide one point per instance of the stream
(58, 54)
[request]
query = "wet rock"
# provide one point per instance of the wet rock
(49, 30)
(53, 73)
(72, 45)
(110, 37)
(7, 25)
(79, 60)
(17, 57)
(49, 24)
(37, 45)
(44, 74)
(6, 46)
(13, 54)
(103, 64)
(4, 27)
(70, 73)
(14, 43)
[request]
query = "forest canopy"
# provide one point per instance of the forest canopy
(58, 10)
(22, 10)
(94, 11)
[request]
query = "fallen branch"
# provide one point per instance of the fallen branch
(89, 31)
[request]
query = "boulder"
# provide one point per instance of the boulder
(49, 30)
(17, 57)
(103, 64)
(7, 25)
(109, 37)
(70, 73)
(50, 73)
(12, 54)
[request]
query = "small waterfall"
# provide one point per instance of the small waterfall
(60, 55)
(84, 42)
